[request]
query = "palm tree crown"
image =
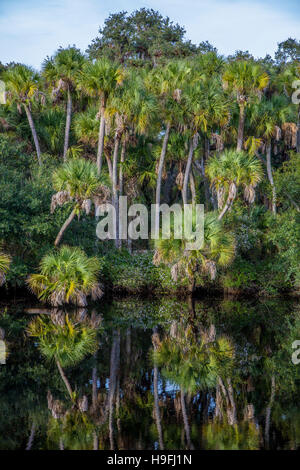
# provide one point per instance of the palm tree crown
(68, 275)
(229, 171)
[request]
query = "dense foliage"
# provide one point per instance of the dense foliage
(147, 114)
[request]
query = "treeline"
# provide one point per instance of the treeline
(163, 120)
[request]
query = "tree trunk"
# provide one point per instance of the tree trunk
(31, 437)
(68, 124)
(193, 144)
(159, 177)
(121, 183)
(231, 196)
(94, 384)
(240, 137)
(114, 365)
(34, 134)
(121, 171)
(156, 401)
(64, 227)
(101, 138)
(185, 420)
(193, 188)
(270, 176)
(63, 376)
(115, 186)
(268, 412)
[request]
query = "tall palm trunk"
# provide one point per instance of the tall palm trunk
(159, 177)
(270, 176)
(68, 123)
(114, 365)
(101, 137)
(156, 399)
(193, 188)
(63, 376)
(94, 383)
(31, 437)
(240, 137)
(231, 197)
(115, 186)
(185, 420)
(121, 182)
(193, 145)
(64, 227)
(268, 412)
(34, 134)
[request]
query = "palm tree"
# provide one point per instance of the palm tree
(133, 109)
(267, 117)
(50, 126)
(246, 80)
(290, 80)
(230, 170)
(61, 71)
(191, 362)
(76, 181)
(167, 83)
(206, 109)
(4, 265)
(99, 80)
(67, 275)
(86, 126)
(217, 249)
(22, 84)
(66, 342)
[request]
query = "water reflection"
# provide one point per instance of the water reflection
(151, 375)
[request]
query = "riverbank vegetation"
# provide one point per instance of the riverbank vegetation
(146, 114)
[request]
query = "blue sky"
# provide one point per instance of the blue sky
(32, 29)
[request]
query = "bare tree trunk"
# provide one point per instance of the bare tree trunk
(240, 137)
(34, 134)
(31, 437)
(268, 412)
(232, 402)
(68, 124)
(110, 168)
(156, 400)
(193, 144)
(64, 227)
(185, 420)
(95, 441)
(193, 188)
(159, 176)
(63, 376)
(114, 364)
(101, 138)
(94, 384)
(121, 172)
(115, 187)
(231, 197)
(121, 184)
(270, 176)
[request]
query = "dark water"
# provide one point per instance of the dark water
(167, 374)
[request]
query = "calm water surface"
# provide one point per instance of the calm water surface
(166, 374)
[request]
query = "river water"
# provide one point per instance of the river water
(167, 374)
